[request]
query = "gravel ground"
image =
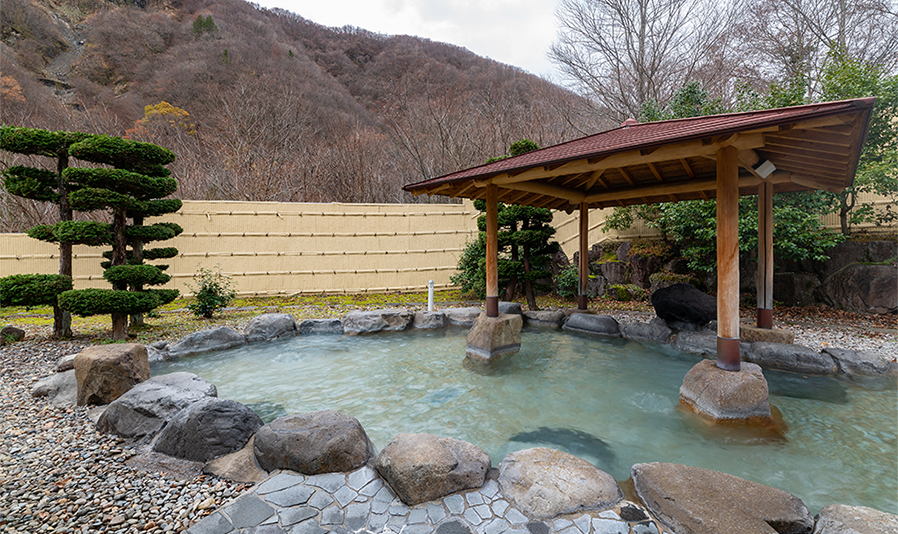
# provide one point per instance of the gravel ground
(57, 474)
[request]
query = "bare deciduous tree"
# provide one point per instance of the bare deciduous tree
(624, 53)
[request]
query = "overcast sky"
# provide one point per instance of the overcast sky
(516, 32)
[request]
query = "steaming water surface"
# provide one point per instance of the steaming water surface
(612, 402)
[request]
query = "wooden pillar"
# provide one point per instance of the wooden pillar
(765, 255)
(582, 295)
(492, 251)
(728, 259)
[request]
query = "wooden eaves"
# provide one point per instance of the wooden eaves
(815, 146)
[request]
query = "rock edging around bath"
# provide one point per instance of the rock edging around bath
(699, 339)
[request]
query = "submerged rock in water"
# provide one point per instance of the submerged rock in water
(574, 441)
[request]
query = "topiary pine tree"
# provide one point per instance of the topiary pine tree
(525, 249)
(49, 186)
(132, 189)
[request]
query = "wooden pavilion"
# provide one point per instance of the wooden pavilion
(800, 148)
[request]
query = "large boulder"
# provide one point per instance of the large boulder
(270, 326)
(690, 500)
(726, 395)
(312, 443)
(795, 289)
(859, 363)
(148, 406)
(217, 338)
(684, 303)
(105, 372)
(545, 482)
(368, 322)
(59, 388)
(206, 429)
(597, 325)
(790, 357)
(424, 467)
(614, 272)
(862, 288)
(643, 267)
(842, 519)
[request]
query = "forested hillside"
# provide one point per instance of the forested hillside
(265, 105)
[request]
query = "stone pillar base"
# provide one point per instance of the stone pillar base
(493, 337)
(772, 335)
(727, 396)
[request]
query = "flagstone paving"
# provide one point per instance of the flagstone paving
(360, 502)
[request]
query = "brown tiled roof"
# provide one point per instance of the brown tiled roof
(812, 146)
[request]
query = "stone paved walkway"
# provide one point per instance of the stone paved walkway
(360, 502)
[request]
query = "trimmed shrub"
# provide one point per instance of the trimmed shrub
(32, 289)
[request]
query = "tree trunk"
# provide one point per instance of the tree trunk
(119, 326)
(137, 250)
(844, 211)
(528, 284)
(62, 319)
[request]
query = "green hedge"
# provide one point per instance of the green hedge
(32, 289)
(87, 302)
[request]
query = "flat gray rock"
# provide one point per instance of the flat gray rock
(59, 388)
(368, 322)
(510, 307)
(597, 325)
(424, 467)
(841, 519)
(207, 429)
(218, 338)
(656, 330)
(546, 317)
(790, 357)
(462, 316)
(544, 483)
(690, 500)
(428, 320)
(859, 363)
(148, 406)
(321, 326)
(270, 326)
(703, 343)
